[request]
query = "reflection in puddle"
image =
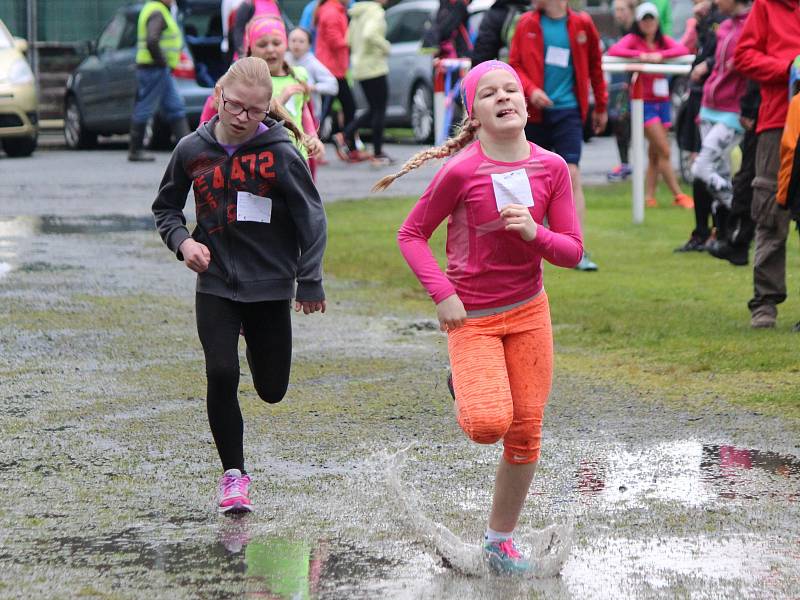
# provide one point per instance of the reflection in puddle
(689, 472)
(51, 224)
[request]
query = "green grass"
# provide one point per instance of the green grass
(671, 323)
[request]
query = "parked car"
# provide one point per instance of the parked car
(410, 102)
(19, 119)
(100, 93)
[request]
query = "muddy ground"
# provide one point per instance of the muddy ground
(109, 469)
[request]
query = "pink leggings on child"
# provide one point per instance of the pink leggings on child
(502, 373)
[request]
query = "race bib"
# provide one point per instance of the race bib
(557, 57)
(512, 187)
(250, 207)
(661, 88)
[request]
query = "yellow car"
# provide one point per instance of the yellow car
(19, 119)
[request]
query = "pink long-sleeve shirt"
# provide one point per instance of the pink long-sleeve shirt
(655, 87)
(487, 266)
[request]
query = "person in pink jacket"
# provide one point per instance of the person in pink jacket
(332, 50)
(647, 43)
(719, 111)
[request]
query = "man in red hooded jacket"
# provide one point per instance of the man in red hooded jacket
(769, 43)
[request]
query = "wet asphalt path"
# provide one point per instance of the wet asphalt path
(109, 469)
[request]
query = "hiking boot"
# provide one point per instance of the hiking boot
(503, 557)
(683, 201)
(762, 321)
(586, 263)
(232, 493)
(733, 254)
(619, 173)
(695, 244)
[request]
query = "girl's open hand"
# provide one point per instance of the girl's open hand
(196, 256)
(518, 218)
(309, 306)
(451, 313)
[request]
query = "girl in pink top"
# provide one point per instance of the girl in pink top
(648, 44)
(495, 193)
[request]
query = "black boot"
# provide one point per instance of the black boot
(135, 152)
(180, 129)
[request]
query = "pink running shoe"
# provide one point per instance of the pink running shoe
(232, 492)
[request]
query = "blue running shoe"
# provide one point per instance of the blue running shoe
(586, 264)
(503, 557)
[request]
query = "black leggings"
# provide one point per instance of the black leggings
(376, 91)
(268, 333)
(345, 96)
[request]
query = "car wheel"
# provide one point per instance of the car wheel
(75, 133)
(16, 147)
(421, 111)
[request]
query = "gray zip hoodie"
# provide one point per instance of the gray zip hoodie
(251, 261)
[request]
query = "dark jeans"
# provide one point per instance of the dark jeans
(740, 228)
(345, 96)
(622, 133)
(268, 334)
(376, 91)
(156, 91)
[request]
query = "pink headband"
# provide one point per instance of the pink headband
(268, 25)
(469, 84)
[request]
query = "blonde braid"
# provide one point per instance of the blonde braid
(465, 135)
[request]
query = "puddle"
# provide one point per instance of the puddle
(51, 224)
(689, 472)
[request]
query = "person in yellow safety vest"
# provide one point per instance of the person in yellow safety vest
(159, 44)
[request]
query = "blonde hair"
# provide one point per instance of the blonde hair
(255, 71)
(466, 133)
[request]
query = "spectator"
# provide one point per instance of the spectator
(159, 43)
(370, 67)
(449, 37)
(332, 50)
(320, 80)
(649, 44)
(497, 28)
(769, 43)
(720, 128)
(556, 52)
(624, 17)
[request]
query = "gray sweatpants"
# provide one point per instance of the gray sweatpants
(713, 165)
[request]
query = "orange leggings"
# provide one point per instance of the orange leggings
(502, 372)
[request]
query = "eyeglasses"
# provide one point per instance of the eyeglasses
(236, 109)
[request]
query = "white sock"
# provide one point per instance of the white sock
(497, 536)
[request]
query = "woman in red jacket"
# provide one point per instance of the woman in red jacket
(648, 44)
(330, 21)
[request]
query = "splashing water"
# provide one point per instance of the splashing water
(550, 546)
